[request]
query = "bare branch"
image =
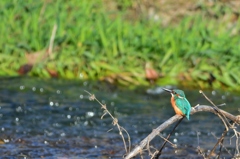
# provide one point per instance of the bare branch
(218, 142)
(144, 144)
(155, 132)
(220, 115)
(173, 145)
(201, 152)
(115, 121)
(160, 150)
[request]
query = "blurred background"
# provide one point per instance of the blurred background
(123, 51)
(195, 44)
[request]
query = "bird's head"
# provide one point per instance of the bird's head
(176, 93)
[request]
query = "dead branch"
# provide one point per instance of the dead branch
(115, 122)
(155, 132)
(220, 141)
(220, 115)
(160, 150)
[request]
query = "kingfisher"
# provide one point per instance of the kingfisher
(179, 102)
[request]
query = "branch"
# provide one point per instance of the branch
(160, 150)
(155, 132)
(115, 121)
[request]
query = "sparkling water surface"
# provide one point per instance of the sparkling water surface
(55, 119)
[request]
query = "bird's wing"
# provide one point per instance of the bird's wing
(183, 105)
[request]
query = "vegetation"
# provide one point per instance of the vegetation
(197, 46)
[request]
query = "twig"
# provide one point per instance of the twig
(129, 139)
(148, 147)
(200, 151)
(221, 116)
(237, 135)
(198, 148)
(172, 144)
(160, 150)
(154, 133)
(221, 144)
(220, 149)
(218, 142)
(115, 122)
(172, 120)
(226, 124)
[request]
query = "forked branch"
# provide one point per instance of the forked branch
(199, 108)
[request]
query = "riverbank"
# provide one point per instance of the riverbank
(198, 45)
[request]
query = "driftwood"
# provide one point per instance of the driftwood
(199, 108)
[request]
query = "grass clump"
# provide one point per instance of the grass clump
(105, 40)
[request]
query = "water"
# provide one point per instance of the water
(56, 119)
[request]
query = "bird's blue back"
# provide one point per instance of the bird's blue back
(182, 103)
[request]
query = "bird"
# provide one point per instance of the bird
(179, 102)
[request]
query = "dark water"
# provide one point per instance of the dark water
(56, 119)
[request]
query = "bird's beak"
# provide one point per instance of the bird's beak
(167, 90)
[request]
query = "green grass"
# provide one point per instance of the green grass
(93, 42)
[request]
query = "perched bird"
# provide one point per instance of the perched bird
(179, 102)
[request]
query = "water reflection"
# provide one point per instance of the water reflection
(55, 118)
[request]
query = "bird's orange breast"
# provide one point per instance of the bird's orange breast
(176, 109)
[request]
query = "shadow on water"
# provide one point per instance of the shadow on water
(55, 119)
